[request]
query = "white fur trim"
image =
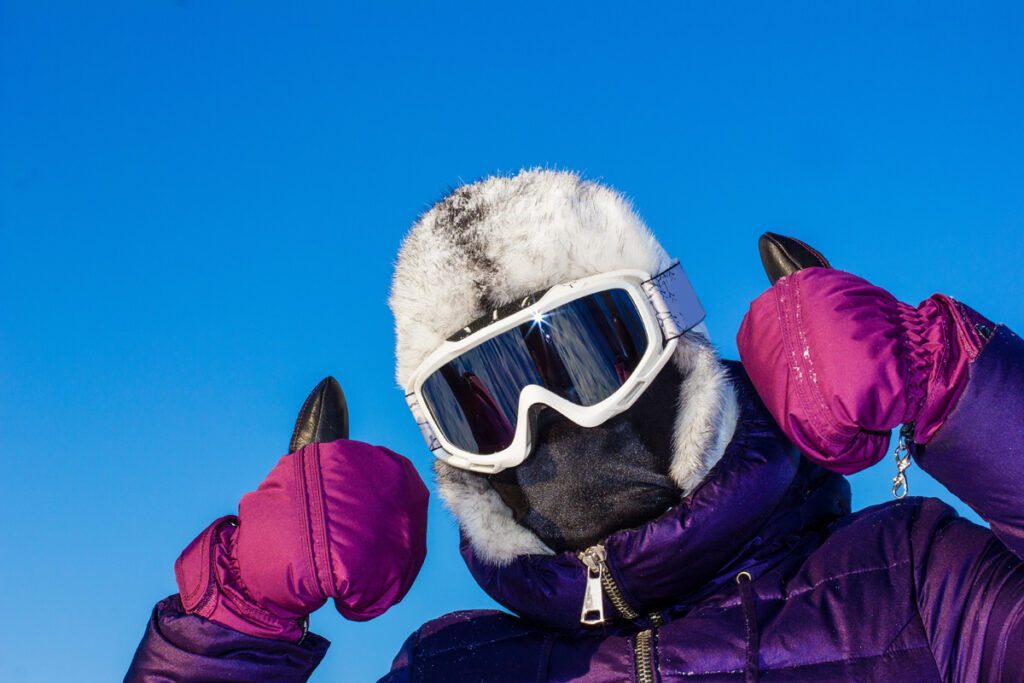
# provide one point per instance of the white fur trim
(707, 413)
(496, 537)
(491, 242)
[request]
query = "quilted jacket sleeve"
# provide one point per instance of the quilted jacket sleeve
(185, 648)
(978, 453)
(970, 582)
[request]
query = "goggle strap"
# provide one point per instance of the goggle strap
(428, 434)
(675, 301)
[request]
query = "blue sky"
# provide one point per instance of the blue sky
(200, 203)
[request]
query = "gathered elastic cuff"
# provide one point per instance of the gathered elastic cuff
(210, 587)
(923, 346)
(943, 338)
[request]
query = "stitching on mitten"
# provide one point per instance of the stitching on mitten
(302, 505)
(812, 399)
(782, 296)
(318, 522)
(204, 572)
(822, 261)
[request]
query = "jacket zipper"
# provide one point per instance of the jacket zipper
(601, 582)
(643, 652)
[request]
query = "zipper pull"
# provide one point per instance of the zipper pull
(593, 598)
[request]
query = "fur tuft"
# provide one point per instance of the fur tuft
(485, 519)
(707, 412)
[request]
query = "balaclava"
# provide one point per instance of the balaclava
(492, 242)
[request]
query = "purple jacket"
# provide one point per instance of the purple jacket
(761, 574)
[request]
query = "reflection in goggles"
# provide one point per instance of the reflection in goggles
(582, 351)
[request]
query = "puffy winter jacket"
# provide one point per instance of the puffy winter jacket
(762, 573)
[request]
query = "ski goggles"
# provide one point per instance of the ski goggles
(585, 348)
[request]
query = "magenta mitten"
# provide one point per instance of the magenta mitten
(343, 520)
(840, 363)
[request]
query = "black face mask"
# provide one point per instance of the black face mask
(579, 485)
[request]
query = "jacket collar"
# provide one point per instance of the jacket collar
(753, 507)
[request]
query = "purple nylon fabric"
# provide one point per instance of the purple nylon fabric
(183, 648)
(989, 417)
(903, 591)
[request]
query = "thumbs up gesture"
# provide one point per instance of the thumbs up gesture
(335, 519)
(840, 362)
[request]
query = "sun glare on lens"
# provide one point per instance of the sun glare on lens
(537, 321)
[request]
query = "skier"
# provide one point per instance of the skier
(644, 510)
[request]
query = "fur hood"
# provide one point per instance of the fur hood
(491, 242)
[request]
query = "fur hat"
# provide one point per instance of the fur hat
(491, 242)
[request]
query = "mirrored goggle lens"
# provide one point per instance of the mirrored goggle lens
(582, 351)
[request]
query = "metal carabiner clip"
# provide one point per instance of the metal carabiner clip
(900, 485)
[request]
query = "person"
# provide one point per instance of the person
(684, 518)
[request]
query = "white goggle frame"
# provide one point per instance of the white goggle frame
(668, 307)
